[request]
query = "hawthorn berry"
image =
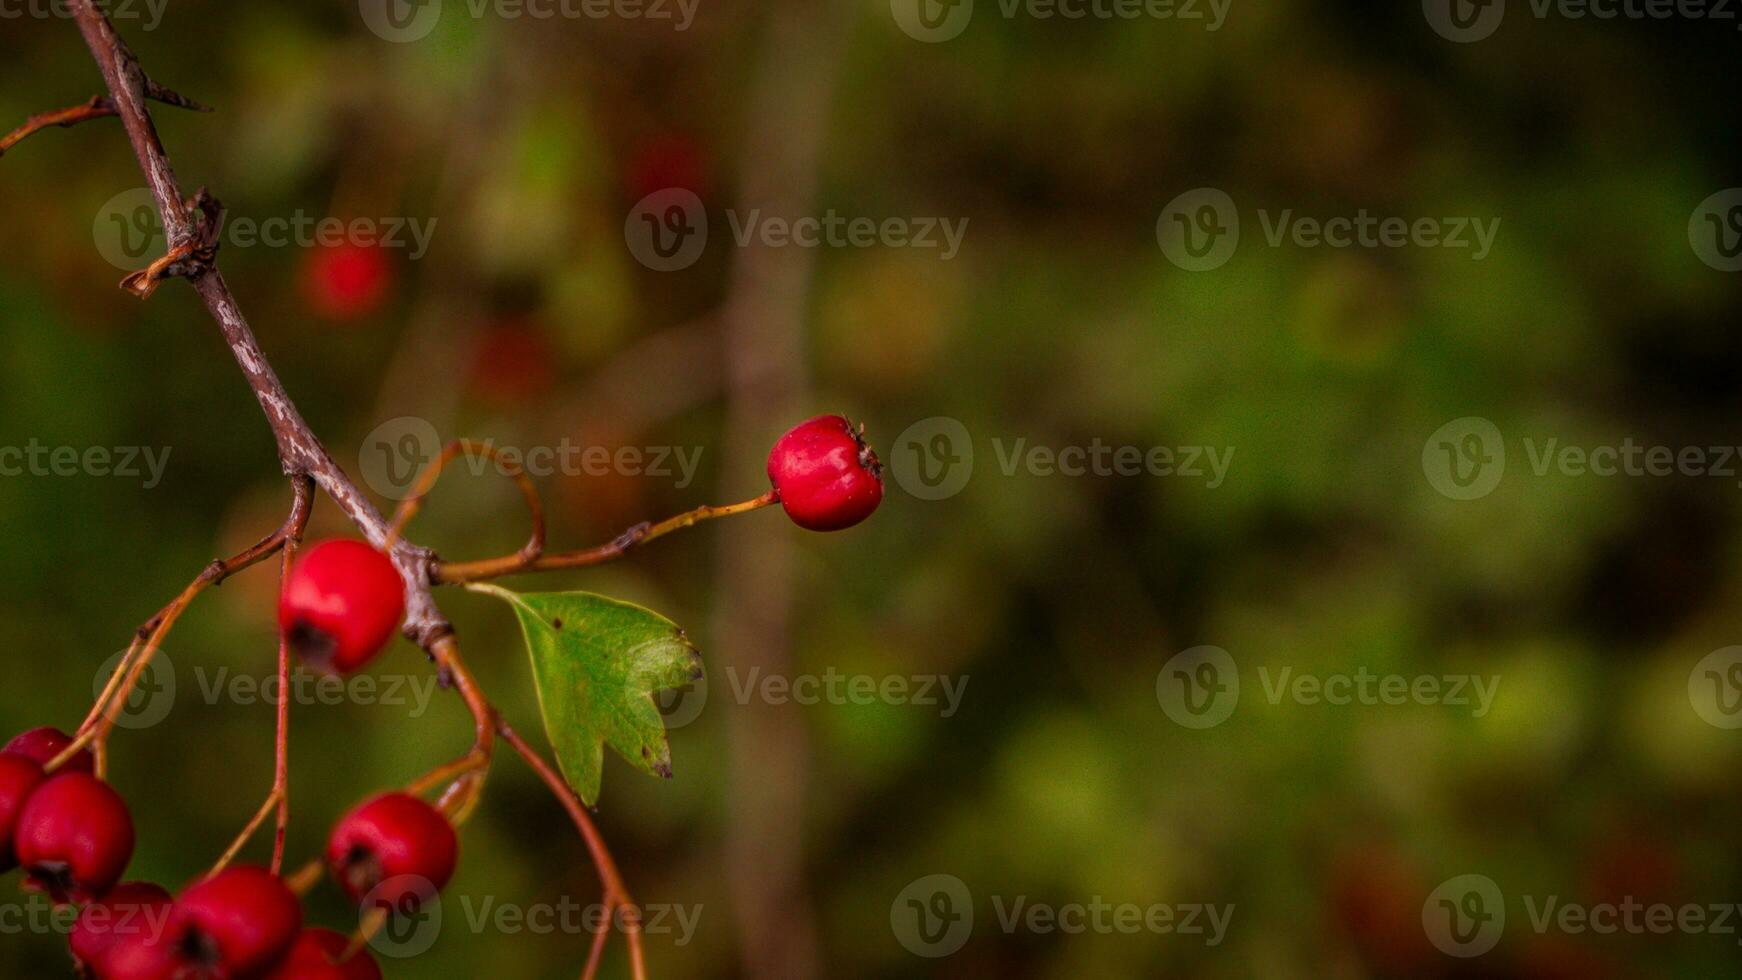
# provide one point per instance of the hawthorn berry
(19, 777)
(825, 474)
(347, 281)
(133, 908)
(340, 604)
(319, 955)
(237, 923)
(144, 956)
(395, 835)
(512, 363)
(43, 744)
(74, 837)
(667, 161)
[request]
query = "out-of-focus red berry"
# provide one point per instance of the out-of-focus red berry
(347, 281)
(512, 363)
(666, 161)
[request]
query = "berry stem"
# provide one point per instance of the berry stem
(97, 108)
(445, 573)
(303, 879)
(468, 763)
(426, 481)
(280, 794)
(148, 638)
(241, 841)
(616, 894)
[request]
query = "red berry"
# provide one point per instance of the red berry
(340, 604)
(74, 837)
(19, 777)
(668, 161)
(134, 908)
(391, 836)
(317, 956)
(236, 923)
(512, 363)
(346, 282)
(43, 744)
(145, 956)
(825, 474)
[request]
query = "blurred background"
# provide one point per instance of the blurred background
(534, 270)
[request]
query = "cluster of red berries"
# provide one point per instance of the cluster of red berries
(73, 837)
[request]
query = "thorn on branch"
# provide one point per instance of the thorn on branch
(187, 260)
(169, 96)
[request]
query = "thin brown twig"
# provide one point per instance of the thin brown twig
(97, 108)
(149, 637)
(617, 896)
(447, 573)
(278, 798)
(413, 503)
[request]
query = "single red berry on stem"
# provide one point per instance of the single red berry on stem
(74, 838)
(340, 604)
(319, 954)
(19, 777)
(826, 475)
(44, 744)
(131, 909)
(393, 836)
(236, 923)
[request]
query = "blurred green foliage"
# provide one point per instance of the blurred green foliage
(1060, 599)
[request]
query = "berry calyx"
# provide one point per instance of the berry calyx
(340, 604)
(319, 954)
(43, 744)
(19, 777)
(74, 838)
(130, 909)
(236, 923)
(826, 475)
(396, 839)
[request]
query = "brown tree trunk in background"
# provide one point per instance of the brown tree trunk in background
(764, 333)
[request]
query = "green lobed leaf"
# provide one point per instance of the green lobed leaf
(598, 662)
